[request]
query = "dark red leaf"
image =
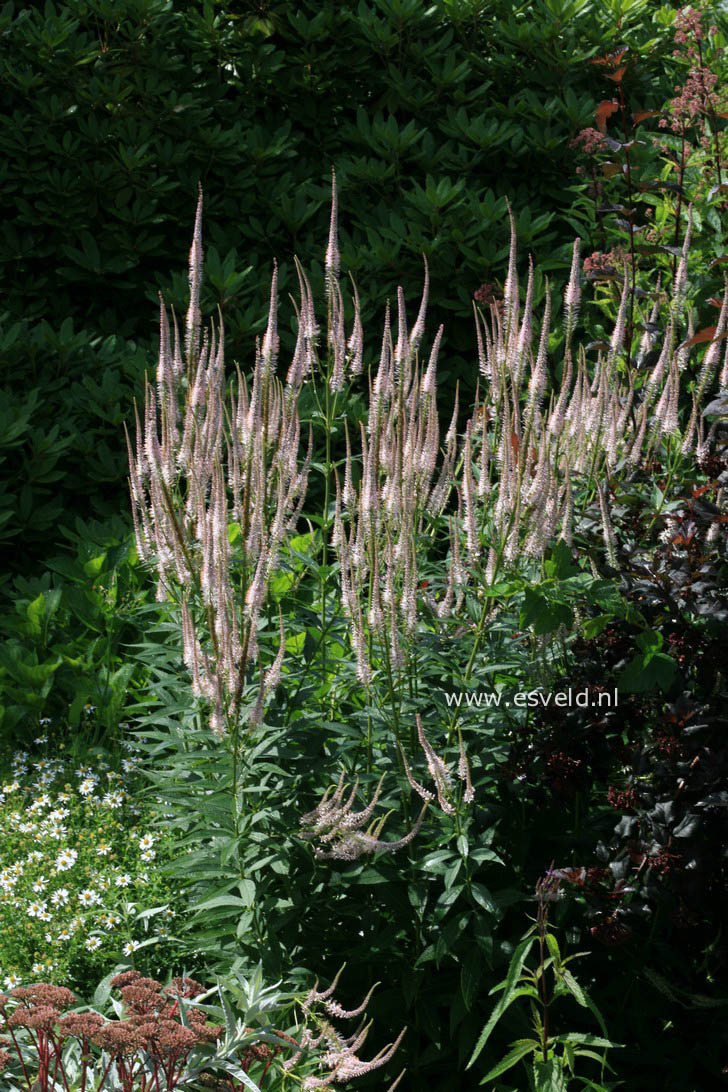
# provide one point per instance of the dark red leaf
(604, 110)
(610, 58)
(641, 115)
(706, 334)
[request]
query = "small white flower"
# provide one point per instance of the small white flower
(93, 943)
(148, 855)
(35, 909)
(60, 897)
(113, 799)
(89, 897)
(11, 981)
(123, 881)
(102, 849)
(131, 946)
(64, 934)
(38, 968)
(87, 786)
(39, 803)
(40, 885)
(66, 859)
(146, 841)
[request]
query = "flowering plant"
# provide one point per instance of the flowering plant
(162, 1037)
(79, 868)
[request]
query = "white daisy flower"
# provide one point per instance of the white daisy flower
(131, 946)
(92, 943)
(89, 897)
(123, 881)
(113, 799)
(60, 897)
(66, 859)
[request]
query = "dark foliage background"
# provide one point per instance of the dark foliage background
(112, 113)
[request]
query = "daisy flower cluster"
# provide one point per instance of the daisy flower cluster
(78, 866)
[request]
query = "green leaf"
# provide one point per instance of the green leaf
(471, 972)
(584, 1039)
(573, 987)
(549, 1075)
(483, 897)
(514, 1056)
(510, 994)
(94, 566)
(543, 614)
(219, 900)
(646, 671)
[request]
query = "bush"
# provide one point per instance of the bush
(111, 114)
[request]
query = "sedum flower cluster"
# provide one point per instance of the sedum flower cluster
(149, 1046)
(77, 867)
(164, 1037)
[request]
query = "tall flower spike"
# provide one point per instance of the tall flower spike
(332, 250)
(194, 318)
(607, 529)
(355, 345)
(678, 291)
(418, 330)
(510, 290)
(269, 350)
(401, 350)
(437, 769)
(572, 295)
